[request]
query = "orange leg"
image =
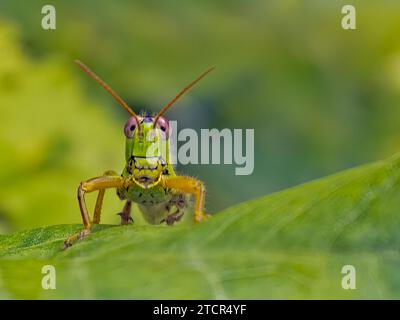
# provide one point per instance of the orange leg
(100, 184)
(192, 186)
(100, 198)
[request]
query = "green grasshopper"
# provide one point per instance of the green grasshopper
(148, 178)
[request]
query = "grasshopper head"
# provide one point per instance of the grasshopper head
(147, 149)
(147, 138)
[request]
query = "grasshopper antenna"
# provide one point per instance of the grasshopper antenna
(181, 93)
(108, 89)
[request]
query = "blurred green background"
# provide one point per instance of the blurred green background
(320, 98)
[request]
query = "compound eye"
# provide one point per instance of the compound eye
(130, 127)
(163, 125)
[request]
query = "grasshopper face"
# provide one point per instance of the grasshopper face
(146, 149)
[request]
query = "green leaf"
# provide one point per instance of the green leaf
(291, 244)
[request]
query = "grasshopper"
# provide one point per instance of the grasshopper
(148, 178)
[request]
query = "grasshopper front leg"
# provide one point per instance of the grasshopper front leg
(94, 184)
(100, 198)
(192, 186)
